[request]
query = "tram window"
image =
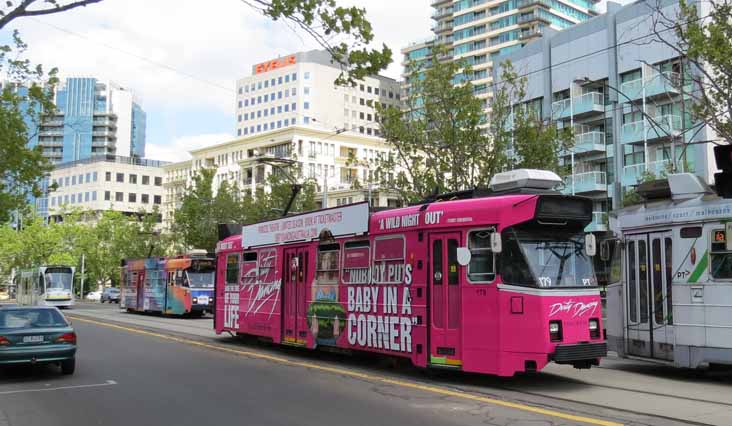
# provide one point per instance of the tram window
(250, 257)
(232, 269)
(632, 288)
(615, 266)
(643, 281)
(327, 271)
(482, 266)
(669, 282)
(437, 262)
(657, 274)
(721, 258)
(249, 268)
(691, 232)
(452, 263)
(389, 260)
(356, 255)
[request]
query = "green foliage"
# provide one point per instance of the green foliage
(536, 143)
(442, 142)
(196, 221)
(22, 101)
(343, 31)
(437, 142)
(104, 242)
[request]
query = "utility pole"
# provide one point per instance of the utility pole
(81, 295)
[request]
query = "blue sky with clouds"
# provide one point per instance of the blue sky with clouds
(154, 47)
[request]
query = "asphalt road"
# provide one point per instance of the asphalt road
(125, 378)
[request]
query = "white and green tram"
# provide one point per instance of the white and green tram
(50, 285)
(670, 291)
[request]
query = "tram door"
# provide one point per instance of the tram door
(445, 299)
(649, 295)
(294, 277)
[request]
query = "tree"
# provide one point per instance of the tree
(437, 142)
(343, 31)
(700, 33)
(195, 224)
(23, 100)
(536, 142)
(11, 10)
(442, 141)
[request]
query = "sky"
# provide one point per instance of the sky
(181, 58)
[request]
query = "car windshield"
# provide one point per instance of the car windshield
(31, 318)
(58, 280)
(546, 259)
(201, 279)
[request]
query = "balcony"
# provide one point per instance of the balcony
(638, 131)
(530, 33)
(633, 173)
(436, 3)
(585, 183)
(531, 17)
(521, 4)
(561, 109)
(442, 13)
(442, 26)
(599, 222)
(656, 84)
(590, 142)
(589, 103)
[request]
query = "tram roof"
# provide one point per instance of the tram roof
(704, 208)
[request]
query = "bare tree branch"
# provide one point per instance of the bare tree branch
(22, 10)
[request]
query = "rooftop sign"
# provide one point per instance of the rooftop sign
(275, 64)
(347, 220)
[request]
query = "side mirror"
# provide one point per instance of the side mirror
(463, 256)
(590, 244)
(496, 245)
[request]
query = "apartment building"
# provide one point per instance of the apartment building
(339, 162)
(300, 90)
(126, 184)
(477, 31)
(622, 93)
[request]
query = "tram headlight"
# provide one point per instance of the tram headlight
(594, 325)
(195, 300)
(555, 331)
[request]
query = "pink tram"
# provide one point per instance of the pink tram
(493, 283)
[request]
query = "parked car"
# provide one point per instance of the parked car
(110, 294)
(37, 335)
(94, 296)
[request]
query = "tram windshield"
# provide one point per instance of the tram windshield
(546, 259)
(201, 279)
(58, 279)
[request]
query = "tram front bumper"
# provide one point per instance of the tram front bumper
(580, 355)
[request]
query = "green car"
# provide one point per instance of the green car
(37, 335)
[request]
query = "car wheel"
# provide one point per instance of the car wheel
(68, 366)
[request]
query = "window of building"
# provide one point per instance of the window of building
(266, 84)
(133, 178)
(94, 195)
(368, 131)
(306, 120)
(294, 76)
(272, 111)
(88, 177)
(120, 177)
(376, 90)
(361, 101)
(279, 80)
(73, 180)
(158, 181)
(306, 90)
(287, 78)
(306, 105)
(279, 94)
(73, 198)
(272, 82)
(132, 197)
(94, 176)
(266, 97)
(279, 109)
(119, 196)
(107, 195)
(287, 107)
(360, 87)
(145, 180)
(294, 107)
(156, 199)
(238, 132)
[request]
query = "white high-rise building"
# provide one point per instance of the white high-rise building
(300, 89)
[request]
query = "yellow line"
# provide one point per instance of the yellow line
(351, 373)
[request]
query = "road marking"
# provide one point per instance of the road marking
(350, 373)
(96, 385)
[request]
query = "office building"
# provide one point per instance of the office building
(623, 95)
(92, 118)
(129, 185)
(300, 90)
(340, 163)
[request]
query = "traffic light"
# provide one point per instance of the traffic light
(723, 179)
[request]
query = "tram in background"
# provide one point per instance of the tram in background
(670, 292)
(496, 282)
(50, 285)
(179, 285)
